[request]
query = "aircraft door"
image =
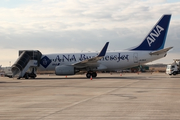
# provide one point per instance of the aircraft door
(135, 57)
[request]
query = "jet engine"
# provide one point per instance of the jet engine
(65, 70)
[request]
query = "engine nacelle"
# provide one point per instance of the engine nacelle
(65, 70)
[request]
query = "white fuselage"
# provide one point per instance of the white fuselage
(117, 60)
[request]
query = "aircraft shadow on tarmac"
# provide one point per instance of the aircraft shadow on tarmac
(8, 82)
(84, 78)
(134, 77)
(110, 77)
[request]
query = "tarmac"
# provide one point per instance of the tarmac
(116, 96)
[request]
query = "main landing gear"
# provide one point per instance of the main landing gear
(91, 73)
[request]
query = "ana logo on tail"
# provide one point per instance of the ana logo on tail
(157, 32)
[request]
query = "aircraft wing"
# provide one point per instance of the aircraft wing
(160, 51)
(92, 61)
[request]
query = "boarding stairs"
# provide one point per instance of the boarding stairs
(27, 63)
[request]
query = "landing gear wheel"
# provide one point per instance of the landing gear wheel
(88, 75)
(94, 74)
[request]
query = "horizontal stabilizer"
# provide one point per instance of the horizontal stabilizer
(160, 51)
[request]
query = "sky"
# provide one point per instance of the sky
(58, 26)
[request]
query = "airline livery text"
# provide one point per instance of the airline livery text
(153, 35)
(82, 57)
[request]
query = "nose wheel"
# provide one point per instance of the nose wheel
(91, 73)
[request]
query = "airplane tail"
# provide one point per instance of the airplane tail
(156, 38)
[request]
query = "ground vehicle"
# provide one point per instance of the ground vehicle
(6, 71)
(174, 68)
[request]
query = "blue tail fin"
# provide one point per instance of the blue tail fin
(156, 38)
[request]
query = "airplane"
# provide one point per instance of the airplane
(151, 48)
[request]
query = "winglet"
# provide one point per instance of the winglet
(94, 59)
(103, 51)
